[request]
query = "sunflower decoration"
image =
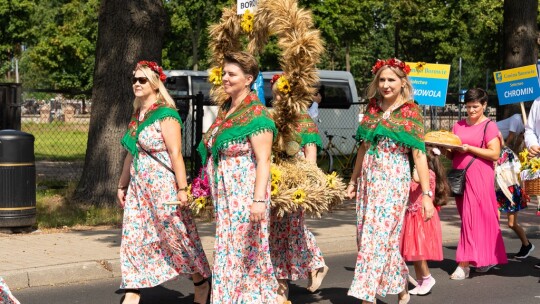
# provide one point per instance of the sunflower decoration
(247, 22)
(275, 173)
(420, 66)
(274, 189)
(283, 85)
(535, 165)
(331, 180)
(524, 158)
(299, 196)
(214, 76)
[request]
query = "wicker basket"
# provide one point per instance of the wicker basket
(532, 187)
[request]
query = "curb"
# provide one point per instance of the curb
(63, 274)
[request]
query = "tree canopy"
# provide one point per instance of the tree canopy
(55, 39)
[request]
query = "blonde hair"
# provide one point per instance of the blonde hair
(155, 82)
(372, 90)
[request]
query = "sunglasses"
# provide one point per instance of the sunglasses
(141, 80)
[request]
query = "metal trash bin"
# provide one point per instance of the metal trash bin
(17, 179)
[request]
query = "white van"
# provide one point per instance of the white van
(338, 111)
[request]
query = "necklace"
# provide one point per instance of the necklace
(391, 109)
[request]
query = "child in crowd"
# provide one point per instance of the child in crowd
(511, 197)
(421, 239)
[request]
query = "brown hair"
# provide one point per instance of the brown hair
(442, 189)
(247, 63)
(476, 94)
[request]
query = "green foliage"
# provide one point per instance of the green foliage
(62, 55)
(60, 37)
(55, 211)
(14, 31)
(186, 44)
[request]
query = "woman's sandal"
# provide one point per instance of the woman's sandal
(461, 273)
(201, 282)
(131, 290)
(316, 280)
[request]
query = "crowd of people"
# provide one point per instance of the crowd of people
(398, 182)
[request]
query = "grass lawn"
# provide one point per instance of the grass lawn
(55, 211)
(58, 141)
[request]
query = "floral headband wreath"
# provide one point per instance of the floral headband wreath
(282, 83)
(154, 67)
(393, 62)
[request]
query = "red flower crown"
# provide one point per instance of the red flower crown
(154, 67)
(275, 78)
(393, 62)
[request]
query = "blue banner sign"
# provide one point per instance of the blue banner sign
(517, 84)
(430, 82)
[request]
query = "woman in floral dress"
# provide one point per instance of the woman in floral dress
(295, 254)
(6, 297)
(237, 149)
(159, 241)
(392, 126)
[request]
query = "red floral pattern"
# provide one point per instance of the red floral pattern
(405, 125)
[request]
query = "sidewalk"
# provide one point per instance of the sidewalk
(39, 259)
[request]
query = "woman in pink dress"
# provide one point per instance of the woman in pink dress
(159, 241)
(422, 240)
(480, 244)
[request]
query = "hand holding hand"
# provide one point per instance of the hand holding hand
(257, 212)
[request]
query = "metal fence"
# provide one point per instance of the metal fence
(61, 126)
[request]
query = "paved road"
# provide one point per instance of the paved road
(516, 282)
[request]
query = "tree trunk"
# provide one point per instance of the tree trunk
(348, 57)
(520, 44)
(195, 35)
(128, 31)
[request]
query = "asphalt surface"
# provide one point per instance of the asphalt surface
(515, 282)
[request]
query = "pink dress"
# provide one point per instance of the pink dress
(421, 240)
(480, 241)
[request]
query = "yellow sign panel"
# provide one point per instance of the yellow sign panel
(520, 73)
(429, 70)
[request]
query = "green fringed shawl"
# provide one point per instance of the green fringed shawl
(308, 131)
(250, 118)
(157, 111)
(405, 126)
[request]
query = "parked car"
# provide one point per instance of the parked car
(338, 114)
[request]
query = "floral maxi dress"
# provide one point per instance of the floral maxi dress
(382, 195)
(159, 242)
(242, 271)
(6, 297)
